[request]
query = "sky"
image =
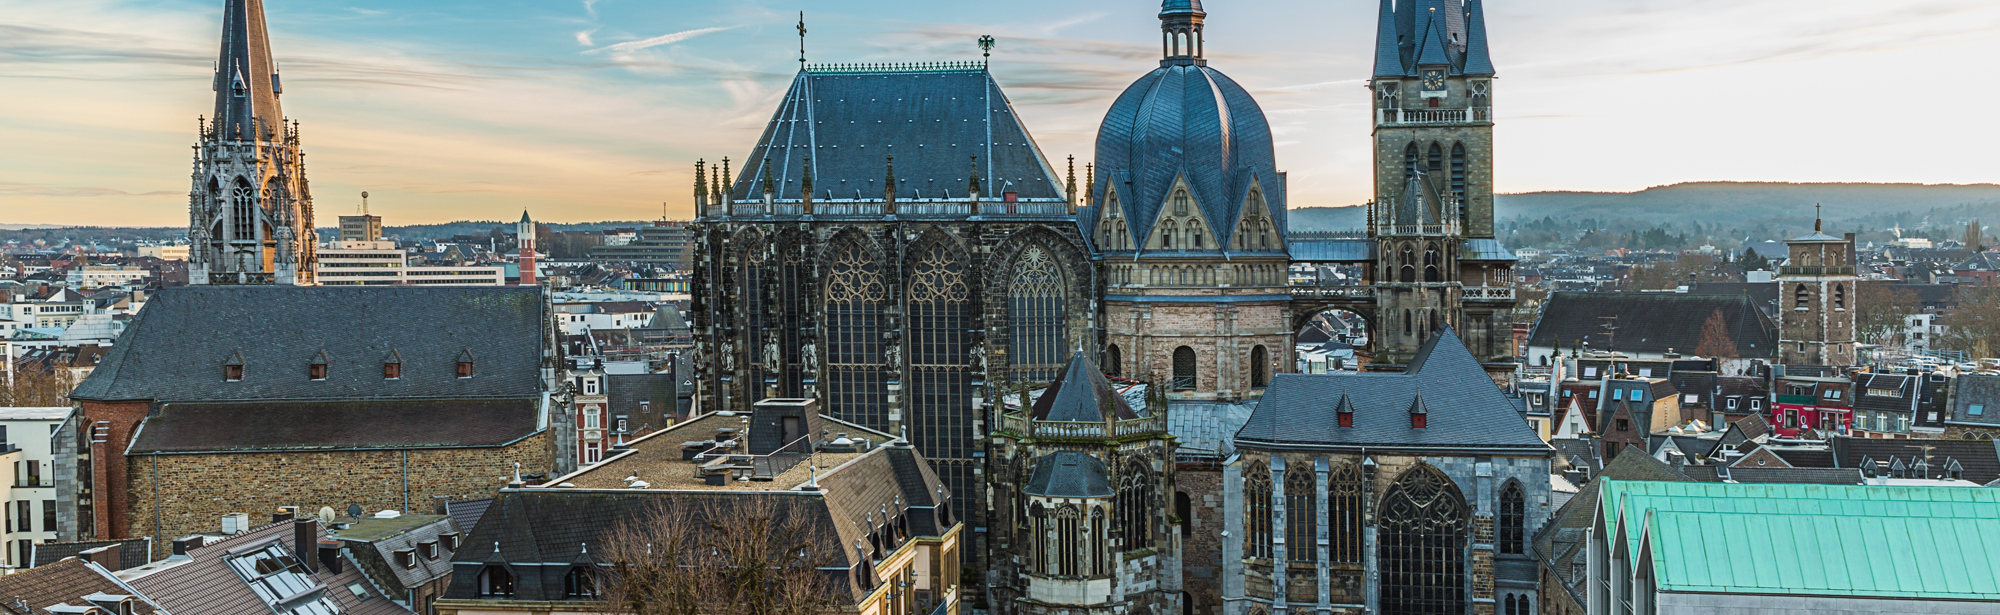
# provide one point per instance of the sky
(585, 110)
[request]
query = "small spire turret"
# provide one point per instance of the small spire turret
(806, 188)
(889, 187)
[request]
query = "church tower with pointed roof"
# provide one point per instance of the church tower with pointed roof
(1437, 262)
(1186, 208)
(1817, 284)
(250, 213)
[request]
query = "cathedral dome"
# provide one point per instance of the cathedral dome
(1185, 121)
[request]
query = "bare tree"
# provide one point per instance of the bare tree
(1973, 321)
(33, 386)
(1879, 310)
(1715, 340)
(734, 555)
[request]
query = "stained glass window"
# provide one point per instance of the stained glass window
(1257, 511)
(1035, 301)
(1301, 515)
(1513, 519)
(855, 294)
(1343, 503)
(1423, 532)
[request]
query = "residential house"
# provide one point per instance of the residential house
(405, 556)
(1975, 408)
(30, 513)
(286, 568)
(71, 586)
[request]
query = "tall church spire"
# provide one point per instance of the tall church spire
(246, 79)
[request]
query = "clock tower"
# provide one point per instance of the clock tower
(1437, 261)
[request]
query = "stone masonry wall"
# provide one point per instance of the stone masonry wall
(176, 495)
(1201, 552)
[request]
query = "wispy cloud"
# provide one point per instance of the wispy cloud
(664, 39)
(20, 189)
(1323, 85)
(583, 37)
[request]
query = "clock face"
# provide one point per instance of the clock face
(1433, 80)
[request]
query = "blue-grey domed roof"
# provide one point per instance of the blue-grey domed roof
(1186, 119)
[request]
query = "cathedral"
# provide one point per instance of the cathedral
(250, 212)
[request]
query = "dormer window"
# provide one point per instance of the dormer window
(392, 365)
(465, 364)
(317, 371)
(429, 549)
(1419, 414)
(449, 540)
(1346, 413)
(407, 558)
(232, 369)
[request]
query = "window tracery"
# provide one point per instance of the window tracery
(1423, 530)
(1036, 301)
(855, 293)
(1343, 504)
(1301, 514)
(940, 308)
(1512, 519)
(1257, 511)
(1135, 505)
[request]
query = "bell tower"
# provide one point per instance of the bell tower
(1816, 294)
(250, 213)
(1437, 261)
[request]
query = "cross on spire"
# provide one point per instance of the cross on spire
(802, 40)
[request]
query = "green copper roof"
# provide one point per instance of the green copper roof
(1841, 540)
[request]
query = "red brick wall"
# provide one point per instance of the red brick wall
(109, 427)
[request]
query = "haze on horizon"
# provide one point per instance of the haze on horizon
(596, 109)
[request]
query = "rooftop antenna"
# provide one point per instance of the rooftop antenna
(802, 40)
(986, 50)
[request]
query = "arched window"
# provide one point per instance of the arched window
(1409, 272)
(940, 389)
(1035, 324)
(580, 584)
(855, 296)
(1301, 514)
(1431, 262)
(1839, 296)
(1069, 527)
(1407, 327)
(792, 298)
(750, 293)
(1194, 235)
(1436, 158)
(1136, 505)
(1410, 160)
(1343, 509)
(1181, 202)
(1513, 608)
(1260, 367)
(1184, 378)
(1100, 543)
(1801, 298)
(1422, 537)
(1038, 538)
(1513, 519)
(1114, 360)
(1257, 511)
(496, 582)
(1184, 511)
(243, 213)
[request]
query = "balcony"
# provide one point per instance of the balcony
(953, 208)
(1405, 230)
(1433, 117)
(1333, 292)
(1489, 293)
(1020, 424)
(1816, 270)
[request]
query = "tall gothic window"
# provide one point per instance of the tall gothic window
(1257, 511)
(1114, 360)
(1135, 505)
(1100, 543)
(1038, 538)
(855, 295)
(1436, 158)
(793, 295)
(1410, 160)
(750, 294)
(1184, 378)
(1260, 367)
(940, 392)
(1301, 514)
(1343, 507)
(1181, 203)
(1513, 519)
(243, 219)
(1423, 530)
(1409, 269)
(1069, 525)
(1035, 319)
(1431, 262)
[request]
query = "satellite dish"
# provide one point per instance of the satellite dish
(354, 510)
(325, 515)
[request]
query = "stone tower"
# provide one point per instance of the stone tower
(250, 213)
(1436, 262)
(524, 235)
(1187, 213)
(1816, 290)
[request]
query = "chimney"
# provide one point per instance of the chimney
(329, 554)
(1852, 260)
(106, 556)
(285, 513)
(305, 543)
(185, 544)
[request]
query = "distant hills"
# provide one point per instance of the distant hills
(1732, 204)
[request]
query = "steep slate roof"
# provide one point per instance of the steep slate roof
(1908, 390)
(1974, 390)
(1336, 250)
(64, 582)
(1465, 410)
(1652, 322)
(337, 425)
(1980, 458)
(175, 349)
(932, 121)
(1185, 120)
(246, 78)
(1069, 474)
(205, 583)
(387, 536)
(1081, 394)
(1431, 32)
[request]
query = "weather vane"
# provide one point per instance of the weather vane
(802, 40)
(986, 49)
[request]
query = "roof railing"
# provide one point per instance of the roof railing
(895, 67)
